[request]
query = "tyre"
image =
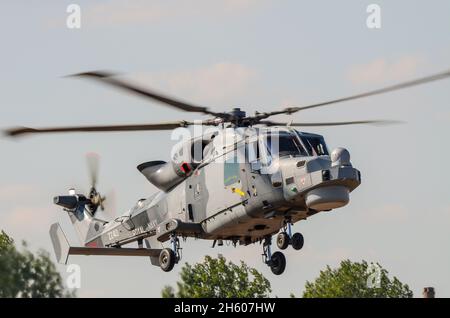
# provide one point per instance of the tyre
(278, 263)
(297, 241)
(167, 259)
(282, 240)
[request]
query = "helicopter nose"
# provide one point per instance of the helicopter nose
(320, 183)
(327, 198)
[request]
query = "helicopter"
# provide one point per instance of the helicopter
(243, 181)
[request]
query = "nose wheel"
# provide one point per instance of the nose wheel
(285, 238)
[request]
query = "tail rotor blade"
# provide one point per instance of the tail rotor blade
(109, 209)
(92, 159)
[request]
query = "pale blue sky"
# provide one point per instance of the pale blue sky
(260, 55)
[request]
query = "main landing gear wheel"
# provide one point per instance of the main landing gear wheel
(277, 263)
(283, 240)
(167, 259)
(297, 241)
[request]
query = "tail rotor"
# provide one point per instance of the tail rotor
(96, 200)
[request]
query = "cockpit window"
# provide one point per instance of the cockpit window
(284, 144)
(315, 145)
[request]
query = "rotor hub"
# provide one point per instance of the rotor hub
(237, 113)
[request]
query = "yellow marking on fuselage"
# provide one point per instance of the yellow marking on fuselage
(238, 191)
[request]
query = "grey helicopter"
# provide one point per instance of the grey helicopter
(242, 181)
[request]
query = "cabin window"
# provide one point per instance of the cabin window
(208, 151)
(197, 149)
(252, 151)
(231, 169)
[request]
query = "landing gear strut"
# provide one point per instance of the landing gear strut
(285, 238)
(170, 256)
(276, 261)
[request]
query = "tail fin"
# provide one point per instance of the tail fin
(60, 244)
(85, 224)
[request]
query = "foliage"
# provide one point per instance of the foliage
(5, 241)
(23, 274)
(214, 277)
(356, 280)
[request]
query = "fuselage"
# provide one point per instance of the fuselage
(248, 182)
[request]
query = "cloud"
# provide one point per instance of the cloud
(380, 70)
(28, 220)
(392, 213)
(12, 192)
(120, 12)
(442, 117)
(215, 83)
(23, 215)
(124, 12)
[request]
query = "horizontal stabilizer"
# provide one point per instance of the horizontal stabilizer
(63, 249)
(112, 251)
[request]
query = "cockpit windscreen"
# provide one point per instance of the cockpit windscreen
(315, 145)
(284, 144)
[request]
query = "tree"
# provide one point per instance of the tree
(23, 274)
(356, 280)
(5, 241)
(214, 277)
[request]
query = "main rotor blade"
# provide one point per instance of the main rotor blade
(108, 78)
(341, 123)
(13, 132)
(387, 89)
